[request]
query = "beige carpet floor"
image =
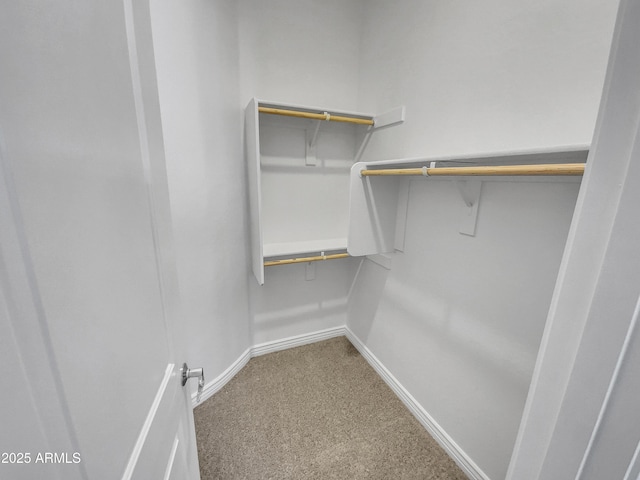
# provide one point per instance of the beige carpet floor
(314, 412)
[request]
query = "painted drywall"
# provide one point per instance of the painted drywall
(458, 319)
(486, 76)
(288, 304)
(196, 50)
(306, 53)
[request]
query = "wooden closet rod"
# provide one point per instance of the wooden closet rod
(315, 116)
(317, 258)
(543, 169)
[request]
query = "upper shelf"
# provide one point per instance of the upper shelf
(298, 172)
(563, 154)
(373, 201)
(390, 117)
(316, 116)
(538, 170)
(304, 247)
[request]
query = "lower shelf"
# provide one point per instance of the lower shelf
(314, 258)
(306, 247)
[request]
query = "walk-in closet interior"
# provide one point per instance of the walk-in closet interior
(452, 297)
(455, 316)
(321, 167)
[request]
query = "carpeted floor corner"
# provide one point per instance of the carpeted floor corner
(314, 412)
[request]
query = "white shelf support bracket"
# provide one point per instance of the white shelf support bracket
(311, 158)
(314, 138)
(387, 119)
(401, 215)
(310, 271)
(363, 144)
(392, 117)
(470, 193)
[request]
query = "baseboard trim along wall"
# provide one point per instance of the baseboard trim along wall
(297, 341)
(467, 465)
(437, 432)
(212, 387)
(221, 380)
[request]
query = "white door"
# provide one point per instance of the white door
(89, 313)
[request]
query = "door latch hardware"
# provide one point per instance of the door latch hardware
(188, 373)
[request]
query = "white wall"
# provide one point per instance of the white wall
(196, 49)
(300, 52)
(458, 319)
(288, 304)
(303, 52)
(484, 76)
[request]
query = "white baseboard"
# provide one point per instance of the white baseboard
(437, 432)
(467, 465)
(221, 380)
(212, 387)
(297, 341)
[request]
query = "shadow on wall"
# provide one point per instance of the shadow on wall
(459, 330)
(300, 313)
(301, 298)
(364, 297)
(377, 296)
